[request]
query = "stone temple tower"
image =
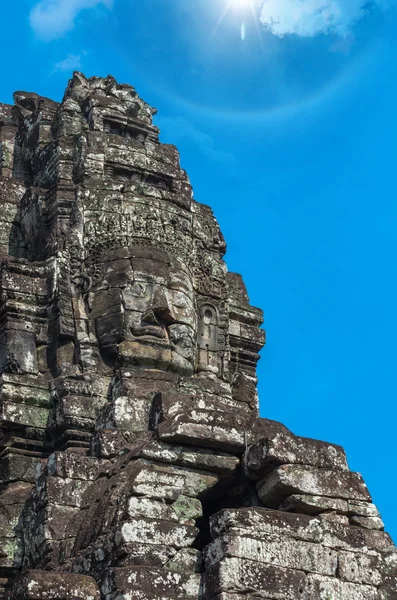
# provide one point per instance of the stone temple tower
(134, 465)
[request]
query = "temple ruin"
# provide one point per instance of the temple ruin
(134, 464)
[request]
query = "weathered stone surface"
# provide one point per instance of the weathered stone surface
(220, 463)
(208, 429)
(185, 561)
(295, 479)
(323, 588)
(287, 449)
(360, 568)
(74, 466)
(363, 509)
(333, 517)
(388, 589)
(159, 481)
(336, 535)
(129, 429)
(38, 585)
(368, 522)
(146, 554)
(313, 505)
(158, 582)
(258, 522)
(274, 550)
(152, 531)
(246, 576)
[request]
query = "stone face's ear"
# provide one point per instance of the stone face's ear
(207, 359)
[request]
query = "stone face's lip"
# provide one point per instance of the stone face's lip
(149, 331)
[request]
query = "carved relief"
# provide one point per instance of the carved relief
(208, 339)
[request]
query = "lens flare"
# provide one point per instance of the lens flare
(242, 7)
(241, 3)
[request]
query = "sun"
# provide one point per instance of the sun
(241, 3)
(242, 8)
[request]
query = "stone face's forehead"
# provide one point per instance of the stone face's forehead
(134, 222)
(122, 266)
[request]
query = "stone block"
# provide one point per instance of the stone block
(42, 585)
(187, 509)
(150, 580)
(325, 588)
(109, 443)
(207, 429)
(74, 466)
(153, 555)
(279, 551)
(67, 492)
(333, 517)
(313, 505)
(18, 352)
(155, 531)
(368, 522)
(17, 413)
(221, 463)
(130, 414)
(388, 590)
(286, 448)
(287, 480)
(353, 538)
(15, 493)
(16, 467)
(60, 522)
(362, 509)
(246, 576)
(11, 553)
(186, 560)
(150, 508)
(168, 482)
(183, 510)
(259, 522)
(167, 405)
(9, 519)
(363, 568)
(80, 412)
(25, 389)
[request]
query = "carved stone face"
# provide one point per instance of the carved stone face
(143, 310)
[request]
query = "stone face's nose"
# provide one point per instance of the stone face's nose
(159, 311)
(159, 300)
(157, 317)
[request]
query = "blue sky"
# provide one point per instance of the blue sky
(287, 127)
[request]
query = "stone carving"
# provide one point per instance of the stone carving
(133, 462)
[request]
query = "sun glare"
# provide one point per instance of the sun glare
(241, 3)
(242, 8)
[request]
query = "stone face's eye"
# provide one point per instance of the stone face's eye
(179, 300)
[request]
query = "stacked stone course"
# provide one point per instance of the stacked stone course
(133, 463)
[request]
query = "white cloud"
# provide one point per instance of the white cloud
(311, 17)
(179, 128)
(50, 19)
(73, 62)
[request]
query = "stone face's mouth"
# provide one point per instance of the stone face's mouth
(155, 331)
